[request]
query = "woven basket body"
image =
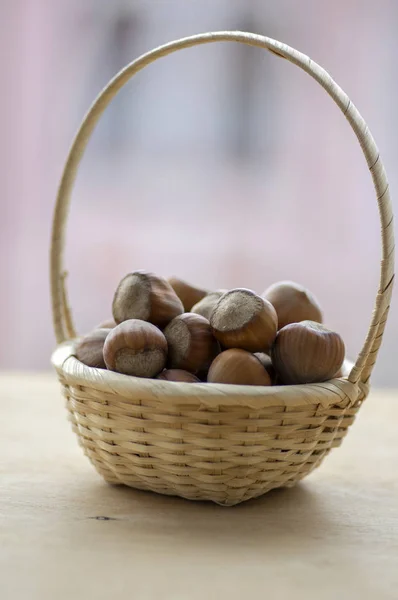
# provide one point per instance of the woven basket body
(210, 441)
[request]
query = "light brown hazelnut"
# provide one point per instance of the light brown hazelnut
(293, 303)
(344, 370)
(136, 348)
(191, 344)
(266, 361)
(241, 319)
(239, 367)
(206, 306)
(178, 375)
(307, 352)
(187, 293)
(107, 324)
(145, 296)
(89, 350)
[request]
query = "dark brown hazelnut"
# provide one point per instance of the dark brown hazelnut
(266, 361)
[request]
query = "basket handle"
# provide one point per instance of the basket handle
(62, 319)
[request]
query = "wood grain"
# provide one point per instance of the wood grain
(65, 533)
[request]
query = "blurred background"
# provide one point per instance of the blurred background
(222, 164)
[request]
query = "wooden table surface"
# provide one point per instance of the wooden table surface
(65, 534)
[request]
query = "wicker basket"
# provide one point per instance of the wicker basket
(211, 441)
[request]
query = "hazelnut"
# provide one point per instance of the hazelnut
(239, 367)
(89, 350)
(344, 370)
(135, 348)
(202, 375)
(178, 375)
(293, 303)
(206, 306)
(108, 324)
(188, 294)
(147, 297)
(266, 361)
(307, 352)
(241, 319)
(191, 344)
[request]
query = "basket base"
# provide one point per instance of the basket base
(190, 490)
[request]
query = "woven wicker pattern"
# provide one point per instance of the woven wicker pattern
(212, 445)
(210, 441)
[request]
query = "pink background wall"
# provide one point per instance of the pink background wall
(222, 164)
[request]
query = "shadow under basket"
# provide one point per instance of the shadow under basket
(216, 442)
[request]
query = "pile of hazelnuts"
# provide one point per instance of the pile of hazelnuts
(171, 330)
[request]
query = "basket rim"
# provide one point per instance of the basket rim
(75, 373)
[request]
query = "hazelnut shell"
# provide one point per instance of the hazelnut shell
(191, 344)
(107, 324)
(238, 367)
(206, 306)
(293, 303)
(307, 352)
(136, 348)
(89, 349)
(187, 293)
(344, 370)
(178, 375)
(241, 319)
(266, 361)
(147, 297)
